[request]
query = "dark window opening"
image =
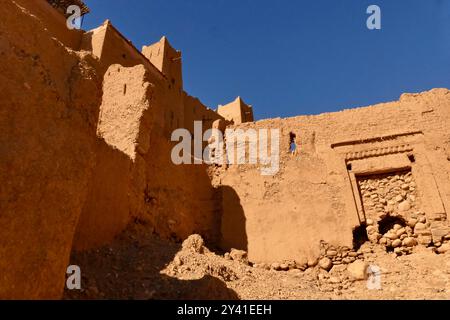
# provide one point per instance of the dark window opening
(349, 166)
(292, 137)
(388, 222)
(124, 89)
(124, 56)
(412, 158)
(360, 236)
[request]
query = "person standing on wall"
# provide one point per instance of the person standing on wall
(293, 144)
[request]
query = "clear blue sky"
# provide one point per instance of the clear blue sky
(292, 57)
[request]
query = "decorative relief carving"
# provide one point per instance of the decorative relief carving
(378, 152)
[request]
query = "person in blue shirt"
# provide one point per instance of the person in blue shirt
(293, 144)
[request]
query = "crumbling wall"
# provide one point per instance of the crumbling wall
(312, 197)
(111, 47)
(393, 209)
(48, 115)
(135, 177)
(107, 209)
(69, 170)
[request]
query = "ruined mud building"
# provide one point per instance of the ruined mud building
(85, 124)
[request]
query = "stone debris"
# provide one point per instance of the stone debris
(443, 248)
(358, 270)
(239, 255)
(194, 243)
(312, 262)
(191, 274)
(325, 263)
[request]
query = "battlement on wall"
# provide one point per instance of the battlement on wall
(165, 63)
(237, 111)
(168, 60)
(111, 47)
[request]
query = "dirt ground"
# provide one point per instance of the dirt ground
(138, 265)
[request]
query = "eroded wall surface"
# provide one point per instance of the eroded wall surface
(77, 165)
(48, 115)
(135, 177)
(195, 110)
(314, 196)
(85, 149)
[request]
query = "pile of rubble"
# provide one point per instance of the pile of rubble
(335, 256)
(399, 239)
(402, 238)
(330, 256)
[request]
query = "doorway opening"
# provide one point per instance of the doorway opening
(360, 236)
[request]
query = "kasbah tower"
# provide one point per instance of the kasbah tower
(85, 143)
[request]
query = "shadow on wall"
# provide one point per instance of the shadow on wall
(106, 209)
(130, 268)
(233, 221)
(134, 175)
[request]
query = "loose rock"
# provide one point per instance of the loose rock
(239, 255)
(194, 243)
(312, 262)
(358, 270)
(404, 206)
(325, 263)
(396, 243)
(443, 248)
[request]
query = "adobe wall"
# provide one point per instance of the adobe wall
(80, 163)
(147, 181)
(313, 197)
(166, 59)
(85, 149)
(236, 112)
(48, 115)
(111, 47)
(55, 22)
(134, 175)
(195, 110)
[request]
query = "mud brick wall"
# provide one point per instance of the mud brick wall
(313, 197)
